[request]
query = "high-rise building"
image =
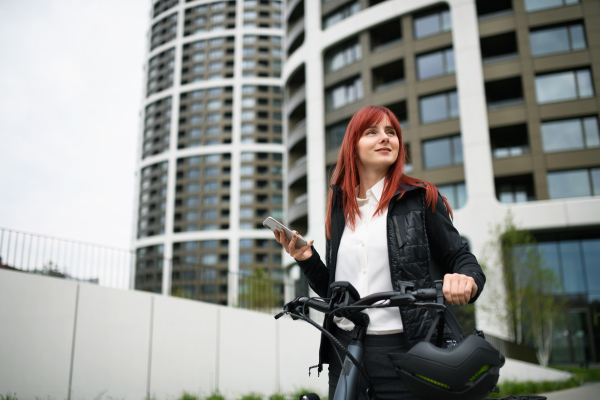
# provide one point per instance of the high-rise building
(210, 158)
(498, 102)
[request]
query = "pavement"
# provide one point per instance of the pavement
(587, 391)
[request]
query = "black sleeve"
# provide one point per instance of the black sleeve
(316, 272)
(448, 249)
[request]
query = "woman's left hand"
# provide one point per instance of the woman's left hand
(459, 289)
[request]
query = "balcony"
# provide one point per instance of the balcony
(504, 93)
(298, 96)
(297, 134)
(297, 170)
(298, 209)
(294, 32)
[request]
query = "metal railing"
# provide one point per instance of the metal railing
(65, 258)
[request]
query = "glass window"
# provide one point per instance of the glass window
(245, 258)
(247, 170)
(196, 120)
(573, 183)
(246, 213)
(570, 134)
(455, 193)
(247, 129)
(209, 214)
(246, 225)
(190, 246)
(246, 198)
(563, 86)
(536, 5)
(210, 200)
(591, 255)
(438, 107)
(557, 39)
(209, 259)
(442, 152)
(277, 199)
(209, 227)
(246, 184)
(248, 102)
(212, 158)
(344, 94)
(247, 115)
(432, 24)
(191, 216)
(435, 64)
(211, 186)
(211, 171)
(190, 259)
(208, 274)
(340, 14)
(193, 187)
(343, 55)
(209, 244)
(192, 201)
(193, 173)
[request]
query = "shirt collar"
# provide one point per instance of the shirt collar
(374, 193)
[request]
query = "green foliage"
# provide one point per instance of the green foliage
(252, 396)
(258, 292)
(277, 396)
(215, 396)
(532, 304)
(189, 396)
(531, 387)
(295, 395)
(9, 397)
(585, 374)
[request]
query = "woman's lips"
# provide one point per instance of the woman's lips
(384, 150)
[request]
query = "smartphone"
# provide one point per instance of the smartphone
(274, 225)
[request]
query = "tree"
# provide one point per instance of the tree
(533, 300)
(258, 292)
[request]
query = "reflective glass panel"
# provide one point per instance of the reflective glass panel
(592, 137)
(548, 252)
(591, 259)
(427, 26)
(453, 100)
(563, 184)
(595, 172)
(548, 41)
(555, 87)
(461, 195)
(457, 150)
(577, 37)
(572, 264)
(562, 135)
(436, 153)
(535, 5)
(584, 83)
(433, 108)
(450, 61)
(430, 65)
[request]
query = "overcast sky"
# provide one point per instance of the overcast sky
(70, 96)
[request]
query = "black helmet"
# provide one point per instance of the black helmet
(467, 371)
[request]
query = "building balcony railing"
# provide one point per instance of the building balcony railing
(297, 171)
(295, 98)
(293, 32)
(290, 7)
(298, 209)
(297, 134)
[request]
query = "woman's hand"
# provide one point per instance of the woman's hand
(301, 254)
(459, 289)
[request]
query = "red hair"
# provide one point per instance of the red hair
(346, 176)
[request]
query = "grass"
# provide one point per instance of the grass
(585, 374)
(250, 396)
(531, 387)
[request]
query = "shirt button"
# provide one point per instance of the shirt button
(364, 271)
(363, 244)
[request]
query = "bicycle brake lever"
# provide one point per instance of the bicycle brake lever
(281, 314)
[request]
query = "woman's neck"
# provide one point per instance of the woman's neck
(368, 179)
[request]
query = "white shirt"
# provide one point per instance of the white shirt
(362, 260)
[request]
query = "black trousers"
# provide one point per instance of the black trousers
(387, 384)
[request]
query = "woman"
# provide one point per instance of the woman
(383, 228)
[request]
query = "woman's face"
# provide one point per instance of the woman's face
(378, 146)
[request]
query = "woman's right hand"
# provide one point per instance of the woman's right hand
(300, 254)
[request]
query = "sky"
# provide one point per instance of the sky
(71, 91)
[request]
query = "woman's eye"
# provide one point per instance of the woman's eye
(391, 133)
(370, 132)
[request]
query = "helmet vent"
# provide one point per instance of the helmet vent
(481, 371)
(435, 382)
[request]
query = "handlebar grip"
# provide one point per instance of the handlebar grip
(318, 305)
(425, 294)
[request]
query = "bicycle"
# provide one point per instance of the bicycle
(479, 362)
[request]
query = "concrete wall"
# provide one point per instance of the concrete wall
(58, 335)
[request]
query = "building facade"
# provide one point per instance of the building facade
(211, 153)
(498, 102)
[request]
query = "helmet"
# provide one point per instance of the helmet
(467, 371)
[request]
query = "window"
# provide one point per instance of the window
(216, 53)
(248, 102)
(344, 94)
(557, 40)
(456, 194)
(432, 23)
(246, 184)
(246, 225)
(509, 141)
(190, 259)
(570, 134)
(189, 246)
(213, 131)
(192, 201)
(247, 115)
(209, 227)
(211, 171)
(210, 200)
(249, 39)
(209, 244)
(442, 152)
(211, 186)
(334, 135)
(574, 183)
(208, 274)
(247, 170)
(340, 14)
(345, 54)
(246, 243)
(193, 187)
(245, 258)
(536, 5)
(193, 173)
(435, 64)
(246, 213)
(213, 104)
(209, 214)
(212, 158)
(209, 259)
(247, 89)
(196, 120)
(438, 107)
(277, 199)
(249, 14)
(563, 86)
(246, 198)
(248, 63)
(191, 216)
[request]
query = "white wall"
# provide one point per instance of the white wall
(124, 344)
